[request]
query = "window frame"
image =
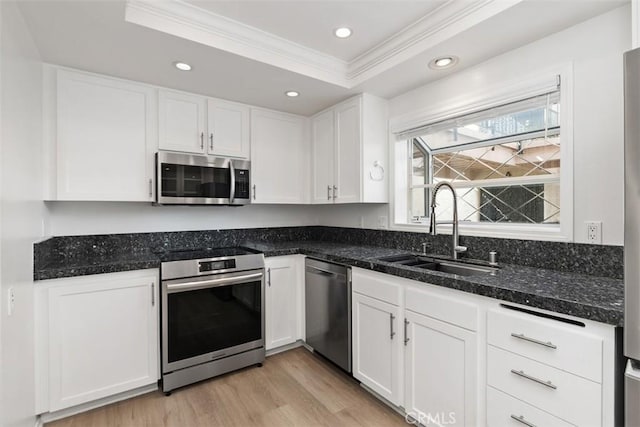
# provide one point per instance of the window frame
(491, 97)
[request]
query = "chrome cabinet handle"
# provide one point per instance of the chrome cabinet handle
(202, 140)
(521, 419)
(391, 319)
(153, 294)
(548, 344)
(406, 337)
(254, 191)
(232, 173)
(269, 276)
(534, 379)
(211, 141)
(150, 187)
(328, 192)
(334, 192)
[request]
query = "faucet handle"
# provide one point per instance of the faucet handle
(460, 249)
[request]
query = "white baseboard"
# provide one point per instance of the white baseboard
(284, 348)
(64, 413)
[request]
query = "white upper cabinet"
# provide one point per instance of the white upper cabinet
(228, 128)
(182, 122)
(322, 129)
(196, 124)
(350, 152)
(100, 137)
(346, 174)
(280, 157)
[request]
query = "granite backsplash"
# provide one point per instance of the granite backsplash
(595, 260)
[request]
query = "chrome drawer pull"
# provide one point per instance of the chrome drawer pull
(548, 344)
(521, 419)
(534, 379)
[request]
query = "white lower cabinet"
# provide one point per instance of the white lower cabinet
(505, 410)
(440, 372)
(377, 346)
(464, 360)
(283, 300)
(100, 337)
(424, 364)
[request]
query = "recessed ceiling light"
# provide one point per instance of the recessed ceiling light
(182, 66)
(443, 62)
(291, 93)
(342, 32)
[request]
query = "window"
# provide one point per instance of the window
(504, 163)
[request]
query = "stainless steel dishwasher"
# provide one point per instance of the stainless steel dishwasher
(328, 311)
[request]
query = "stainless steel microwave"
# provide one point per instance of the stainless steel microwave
(191, 179)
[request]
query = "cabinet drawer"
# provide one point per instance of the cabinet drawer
(564, 395)
(375, 285)
(548, 341)
(504, 410)
(447, 309)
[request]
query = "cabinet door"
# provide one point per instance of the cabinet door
(182, 122)
(228, 125)
(279, 157)
(322, 153)
(377, 346)
(282, 301)
(103, 337)
(105, 134)
(347, 170)
(440, 372)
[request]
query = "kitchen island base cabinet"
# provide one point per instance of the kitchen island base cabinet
(283, 301)
(100, 337)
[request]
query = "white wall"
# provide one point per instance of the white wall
(21, 210)
(78, 218)
(595, 48)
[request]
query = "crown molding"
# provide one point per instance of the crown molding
(196, 24)
(190, 22)
(451, 18)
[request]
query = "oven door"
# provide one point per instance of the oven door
(193, 180)
(211, 317)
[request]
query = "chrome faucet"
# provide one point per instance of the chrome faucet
(456, 248)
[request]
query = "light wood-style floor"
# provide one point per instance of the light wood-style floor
(294, 388)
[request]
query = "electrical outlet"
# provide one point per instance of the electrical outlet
(382, 222)
(11, 301)
(594, 232)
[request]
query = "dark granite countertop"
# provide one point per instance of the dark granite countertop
(590, 297)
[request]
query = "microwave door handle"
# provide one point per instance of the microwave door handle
(232, 171)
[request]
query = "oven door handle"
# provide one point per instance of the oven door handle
(212, 283)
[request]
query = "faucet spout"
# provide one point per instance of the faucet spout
(456, 248)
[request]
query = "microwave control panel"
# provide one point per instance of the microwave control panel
(242, 184)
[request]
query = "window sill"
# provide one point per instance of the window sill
(501, 231)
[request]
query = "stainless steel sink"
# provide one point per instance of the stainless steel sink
(435, 264)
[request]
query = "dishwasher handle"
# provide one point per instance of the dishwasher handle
(316, 270)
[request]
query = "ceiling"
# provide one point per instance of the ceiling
(254, 51)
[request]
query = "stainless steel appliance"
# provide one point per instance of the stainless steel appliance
(212, 313)
(632, 236)
(328, 311)
(185, 179)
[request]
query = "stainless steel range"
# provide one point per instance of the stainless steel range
(212, 313)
